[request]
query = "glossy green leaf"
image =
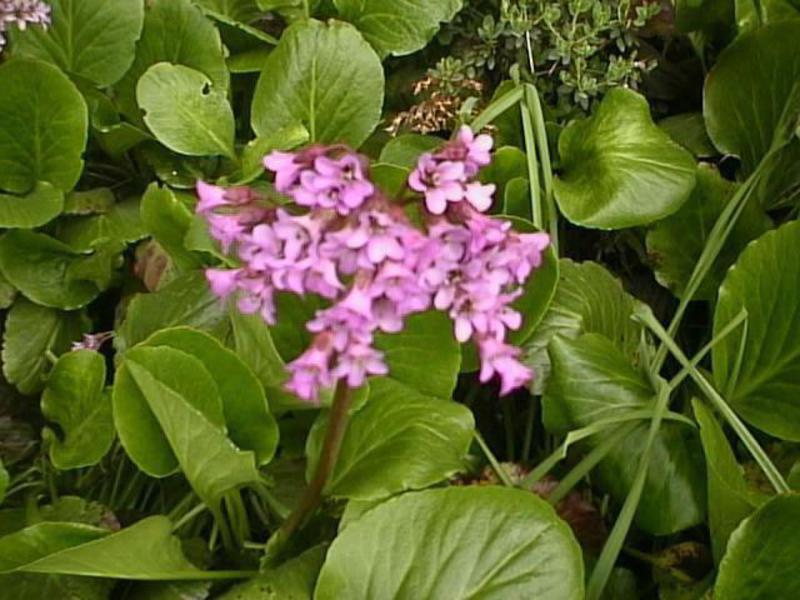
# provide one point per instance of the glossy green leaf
(93, 39)
(675, 244)
(209, 460)
(74, 399)
(293, 580)
(714, 16)
(139, 426)
(174, 31)
(761, 562)
(763, 385)
(250, 424)
(168, 218)
(43, 127)
(121, 223)
(66, 587)
(39, 267)
(588, 299)
(31, 332)
(254, 152)
(508, 162)
(593, 380)
(427, 339)
(744, 102)
(618, 169)
(145, 550)
(39, 206)
(186, 300)
(324, 76)
(239, 10)
(399, 440)
(185, 111)
(405, 150)
(728, 498)
(397, 28)
(689, 130)
(4, 479)
(457, 543)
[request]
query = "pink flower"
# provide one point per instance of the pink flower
(440, 181)
(499, 358)
(223, 282)
(311, 372)
(357, 363)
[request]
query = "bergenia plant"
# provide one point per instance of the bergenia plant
(376, 259)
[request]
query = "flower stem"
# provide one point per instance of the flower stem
(312, 497)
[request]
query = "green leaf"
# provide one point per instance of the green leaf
(714, 16)
(763, 384)
(170, 590)
(250, 424)
(425, 345)
(64, 587)
(588, 299)
(397, 28)
(43, 127)
(619, 169)
(138, 424)
(121, 223)
(238, 10)
(293, 580)
(146, 550)
(39, 267)
(175, 31)
(472, 542)
(185, 111)
(74, 399)
(324, 76)
(187, 300)
(405, 150)
(208, 459)
(93, 39)
(761, 561)
(254, 152)
(31, 332)
(89, 202)
(400, 440)
(168, 219)
(744, 102)
(508, 162)
(593, 380)
(4, 479)
(728, 499)
(675, 244)
(689, 130)
(43, 204)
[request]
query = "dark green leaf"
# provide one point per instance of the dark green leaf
(31, 332)
(618, 169)
(293, 580)
(239, 10)
(43, 127)
(458, 543)
(761, 562)
(405, 150)
(185, 111)
(675, 244)
(39, 267)
(397, 28)
(254, 152)
(41, 205)
(247, 415)
(689, 130)
(400, 440)
(93, 39)
(168, 219)
(593, 380)
(121, 224)
(74, 399)
(324, 76)
(765, 386)
(174, 31)
(4, 479)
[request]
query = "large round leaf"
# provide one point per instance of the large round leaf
(763, 553)
(750, 88)
(174, 31)
(763, 385)
(324, 76)
(398, 27)
(139, 429)
(247, 415)
(44, 269)
(619, 169)
(457, 543)
(185, 111)
(592, 380)
(675, 244)
(399, 440)
(41, 205)
(74, 399)
(43, 127)
(94, 39)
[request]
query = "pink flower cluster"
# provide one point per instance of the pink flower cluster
(21, 13)
(345, 241)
